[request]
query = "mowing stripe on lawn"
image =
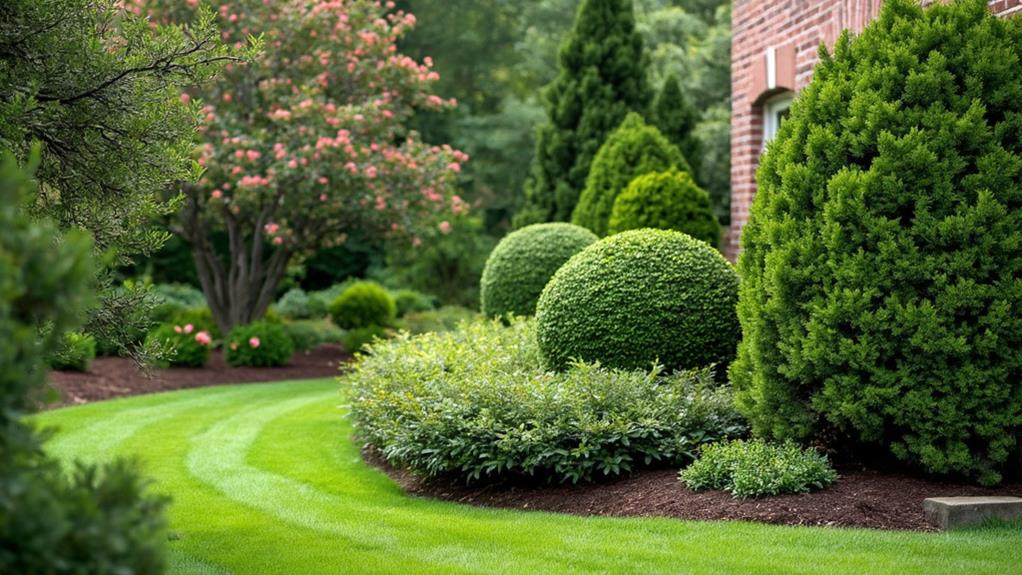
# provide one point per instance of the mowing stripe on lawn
(266, 479)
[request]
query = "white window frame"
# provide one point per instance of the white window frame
(772, 110)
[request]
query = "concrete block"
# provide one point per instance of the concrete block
(954, 512)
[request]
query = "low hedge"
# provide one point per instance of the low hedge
(522, 264)
(477, 404)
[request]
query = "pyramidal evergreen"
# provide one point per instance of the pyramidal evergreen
(603, 76)
(676, 118)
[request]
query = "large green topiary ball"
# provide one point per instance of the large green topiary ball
(638, 297)
(635, 148)
(667, 201)
(363, 304)
(881, 299)
(523, 262)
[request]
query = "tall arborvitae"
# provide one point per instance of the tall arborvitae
(677, 118)
(603, 71)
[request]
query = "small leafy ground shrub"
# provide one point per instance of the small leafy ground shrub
(190, 345)
(634, 149)
(412, 301)
(640, 297)
(75, 353)
(357, 340)
(363, 304)
(666, 201)
(477, 404)
(880, 301)
(182, 294)
(308, 334)
(296, 304)
(522, 263)
(258, 344)
(756, 469)
(443, 319)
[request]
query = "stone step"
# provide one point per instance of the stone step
(954, 512)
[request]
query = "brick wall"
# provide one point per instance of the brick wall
(773, 50)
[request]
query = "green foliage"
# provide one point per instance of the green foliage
(358, 339)
(446, 318)
(185, 295)
(603, 76)
(477, 404)
(638, 298)
(296, 304)
(676, 118)
(522, 264)
(412, 301)
(75, 353)
(97, 519)
(758, 469)
(258, 344)
(880, 298)
(667, 201)
(447, 265)
(187, 345)
(308, 334)
(633, 150)
(364, 304)
(97, 88)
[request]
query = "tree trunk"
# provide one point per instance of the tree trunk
(241, 292)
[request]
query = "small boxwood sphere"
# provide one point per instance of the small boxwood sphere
(667, 201)
(363, 304)
(523, 262)
(639, 297)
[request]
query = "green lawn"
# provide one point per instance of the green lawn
(266, 479)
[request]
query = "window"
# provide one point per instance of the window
(775, 110)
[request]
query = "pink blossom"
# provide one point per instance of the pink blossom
(202, 338)
(271, 228)
(445, 227)
(454, 167)
(278, 241)
(177, 329)
(253, 342)
(322, 197)
(185, 98)
(217, 194)
(189, 328)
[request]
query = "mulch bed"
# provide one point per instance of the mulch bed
(111, 377)
(860, 498)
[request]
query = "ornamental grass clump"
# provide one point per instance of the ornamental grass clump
(476, 404)
(880, 301)
(758, 469)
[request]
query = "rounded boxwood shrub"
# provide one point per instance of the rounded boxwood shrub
(258, 344)
(523, 262)
(667, 201)
(880, 301)
(363, 304)
(191, 344)
(296, 304)
(640, 297)
(634, 149)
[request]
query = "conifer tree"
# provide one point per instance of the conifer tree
(603, 76)
(676, 118)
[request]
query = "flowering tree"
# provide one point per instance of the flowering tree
(307, 143)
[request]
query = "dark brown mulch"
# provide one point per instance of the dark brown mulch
(111, 377)
(861, 498)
